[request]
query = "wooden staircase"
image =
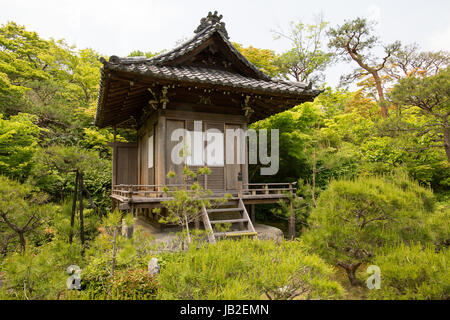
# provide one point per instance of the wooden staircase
(236, 217)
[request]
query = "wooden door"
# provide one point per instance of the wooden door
(150, 155)
(232, 169)
(216, 180)
(143, 160)
(125, 163)
(172, 125)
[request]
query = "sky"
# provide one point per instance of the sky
(119, 27)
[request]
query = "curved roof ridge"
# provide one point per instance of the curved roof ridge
(188, 46)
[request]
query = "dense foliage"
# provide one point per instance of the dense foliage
(248, 269)
(413, 272)
(354, 218)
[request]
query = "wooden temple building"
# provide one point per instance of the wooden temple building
(204, 79)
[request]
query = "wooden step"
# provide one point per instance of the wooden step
(235, 233)
(228, 221)
(224, 210)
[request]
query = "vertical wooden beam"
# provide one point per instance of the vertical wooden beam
(252, 213)
(161, 149)
(245, 165)
(114, 160)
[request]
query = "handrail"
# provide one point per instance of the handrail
(156, 190)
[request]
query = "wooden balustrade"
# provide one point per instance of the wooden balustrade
(157, 191)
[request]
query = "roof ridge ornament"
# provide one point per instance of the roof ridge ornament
(210, 20)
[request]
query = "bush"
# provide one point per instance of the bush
(413, 272)
(39, 273)
(132, 254)
(247, 269)
(135, 284)
(354, 218)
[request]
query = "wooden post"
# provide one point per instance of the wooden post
(160, 170)
(113, 176)
(291, 227)
(74, 207)
(252, 213)
(81, 209)
(197, 223)
(240, 184)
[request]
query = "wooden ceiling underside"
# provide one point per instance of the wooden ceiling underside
(127, 97)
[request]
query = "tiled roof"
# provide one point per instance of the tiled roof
(187, 47)
(210, 76)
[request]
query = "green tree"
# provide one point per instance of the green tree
(19, 208)
(186, 203)
(55, 167)
(19, 138)
(354, 40)
(22, 59)
(307, 60)
(431, 96)
(354, 218)
(264, 59)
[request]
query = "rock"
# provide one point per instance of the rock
(266, 232)
(127, 231)
(153, 267)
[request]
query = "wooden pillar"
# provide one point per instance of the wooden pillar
(197, 223)
(160, 169)
(252, 213)
(114, 153)
(245, 165)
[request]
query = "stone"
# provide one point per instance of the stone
(153, 267)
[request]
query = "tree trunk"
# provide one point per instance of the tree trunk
(74, 208)
(22, 241)
(447, 139)
(81, 210)
(6, 238)
(313, 193)
(113, 262)
(377, 80)
(350, 269)
(291, 227)
(188, 235)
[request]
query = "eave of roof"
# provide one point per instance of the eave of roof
(198, 75)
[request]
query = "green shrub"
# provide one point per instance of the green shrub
(136, 284)
(39, 273)
(354, 218)
(413, 272)
(132, 254)
(247, 269)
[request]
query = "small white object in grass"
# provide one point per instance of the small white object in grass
(153, 266)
